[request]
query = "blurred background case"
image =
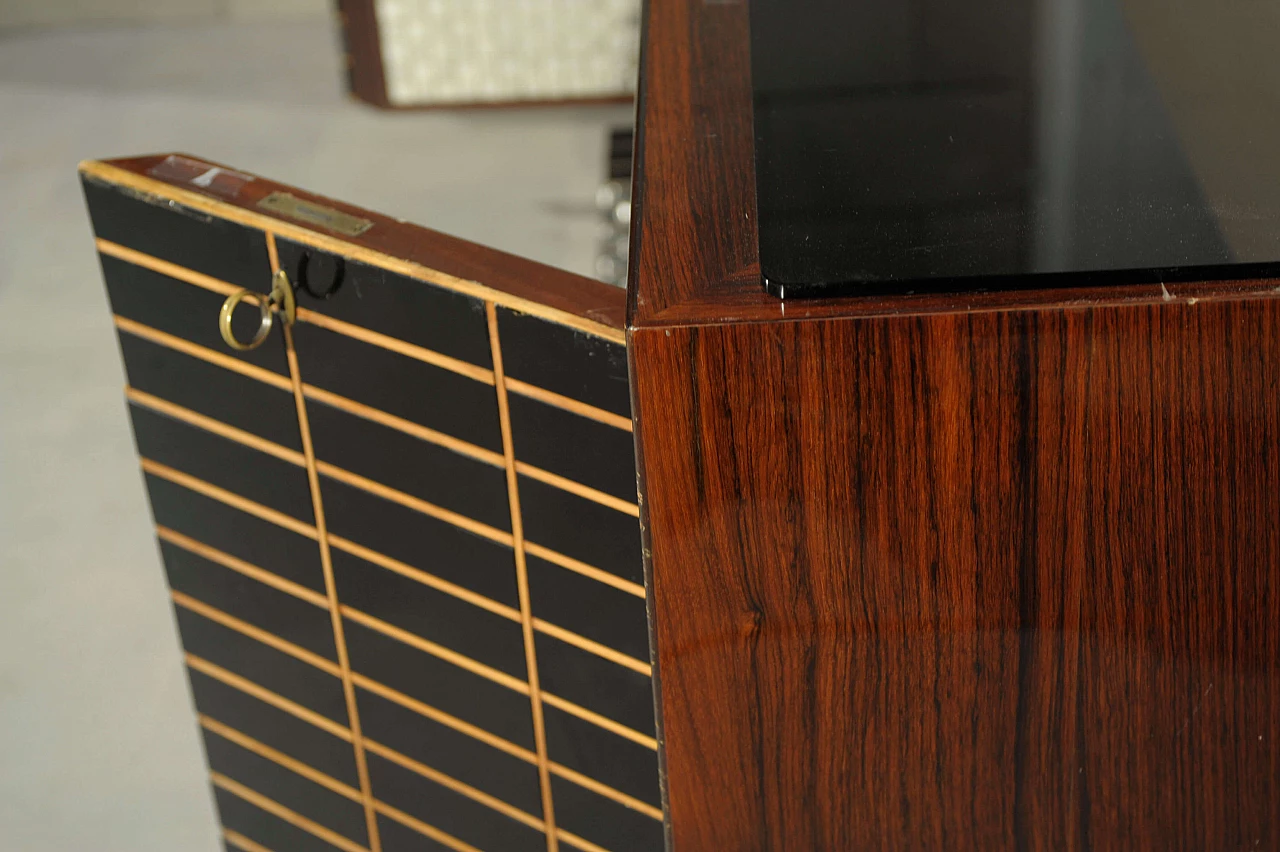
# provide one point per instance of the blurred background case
(423, 53)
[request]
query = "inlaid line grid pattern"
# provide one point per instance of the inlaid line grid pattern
(268, 696)
(139, 330)
(303, 713)
(339, 612)
(290, 816)
(294, 457)
(419, 353)
(391, 631)
(432, 436)
(263, 750)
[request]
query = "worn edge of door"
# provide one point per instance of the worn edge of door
(522, 285)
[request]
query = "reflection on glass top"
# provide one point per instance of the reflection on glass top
(959, 145)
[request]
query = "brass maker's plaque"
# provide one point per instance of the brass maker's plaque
(315, 214)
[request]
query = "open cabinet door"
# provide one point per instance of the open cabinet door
(401, 533)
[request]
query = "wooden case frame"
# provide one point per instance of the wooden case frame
(981, 571)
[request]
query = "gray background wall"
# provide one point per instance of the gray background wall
(40, 13)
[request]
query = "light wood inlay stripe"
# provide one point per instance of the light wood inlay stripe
(423, 577)
(568, 403)
(325, 242)
(411, 502)
(222, 495)
(226, 560)
(579, 842)
(265, 751)
(596, 648)
(400, 347)
(266, 696)
(241, 842)
(164, 267)
(584, 569)
(522, 582)
(186, 347)
(578, 488)
(274, 808)
(415, 641)
(330, 584)
(607, 791)
(270, 639)
(426, 830)
(401, 425)
(273, 256)
(217, 427)
(457, 786)
(600, 721)
(443, 718)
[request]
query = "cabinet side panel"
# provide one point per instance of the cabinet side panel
(984, 581)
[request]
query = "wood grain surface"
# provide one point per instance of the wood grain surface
(977, 581)
(362, 51)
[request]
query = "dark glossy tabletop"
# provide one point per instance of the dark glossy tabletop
(957, 145)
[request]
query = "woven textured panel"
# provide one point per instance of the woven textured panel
(453, 51)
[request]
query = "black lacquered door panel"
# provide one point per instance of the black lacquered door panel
(401, 536)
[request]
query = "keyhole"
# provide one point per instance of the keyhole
(320, 274)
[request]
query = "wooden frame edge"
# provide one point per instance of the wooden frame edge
(110, 173)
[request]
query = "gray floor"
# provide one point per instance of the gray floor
(99, 749)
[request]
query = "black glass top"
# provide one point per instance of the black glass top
(961, 145)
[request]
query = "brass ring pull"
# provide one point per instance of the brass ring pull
(280, 299)
(229, 308)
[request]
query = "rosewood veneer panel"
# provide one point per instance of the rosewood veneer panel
(968, 581)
